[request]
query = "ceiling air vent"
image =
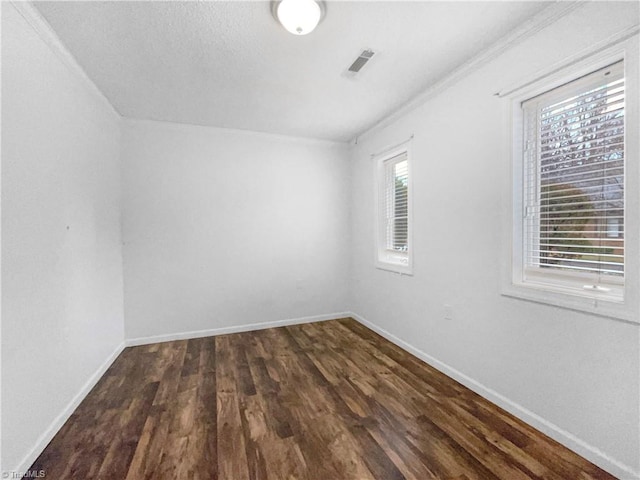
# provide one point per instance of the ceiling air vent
(361, 61)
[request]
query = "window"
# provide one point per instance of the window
(574, 185)
(575, 229)
(394, 211)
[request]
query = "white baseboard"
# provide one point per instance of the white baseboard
(56, 425)
(591, 453)
(132, 342)
(59, 421)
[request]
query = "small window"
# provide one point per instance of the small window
(573, 187)
(394, 212)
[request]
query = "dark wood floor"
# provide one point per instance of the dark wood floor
(323, 401)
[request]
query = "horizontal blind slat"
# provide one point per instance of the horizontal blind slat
(614, 87)
(614, 111)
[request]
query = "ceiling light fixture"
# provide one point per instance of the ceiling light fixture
(299, 17)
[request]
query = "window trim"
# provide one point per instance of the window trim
(585, 284)
(380, 236)
(598, 303)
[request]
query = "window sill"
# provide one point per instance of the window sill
(395, 268)
(603, 307)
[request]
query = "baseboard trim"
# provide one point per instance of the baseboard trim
(59, 421)
(567, 439)
(132, 342)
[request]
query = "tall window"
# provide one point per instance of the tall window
(394, 208)
(573, 186)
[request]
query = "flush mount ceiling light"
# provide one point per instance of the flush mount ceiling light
(298, 16)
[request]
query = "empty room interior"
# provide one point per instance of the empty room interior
(320, 240)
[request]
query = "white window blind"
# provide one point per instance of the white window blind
(574, 178)
(396, 206)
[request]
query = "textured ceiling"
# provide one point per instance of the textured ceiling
(229, 64)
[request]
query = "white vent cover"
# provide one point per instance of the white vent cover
(361, 61)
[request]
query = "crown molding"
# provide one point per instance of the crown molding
(37, 22)
(546, 17)
(596, 50)
(190, 127)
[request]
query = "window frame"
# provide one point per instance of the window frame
(604, 287)
(569, 295)
(383, 259)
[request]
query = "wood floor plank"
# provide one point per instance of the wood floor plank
(319, 401)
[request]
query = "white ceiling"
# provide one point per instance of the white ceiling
(229, 64)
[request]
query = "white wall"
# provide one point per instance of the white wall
(62, 310)
(225, 228)
(577, 371)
